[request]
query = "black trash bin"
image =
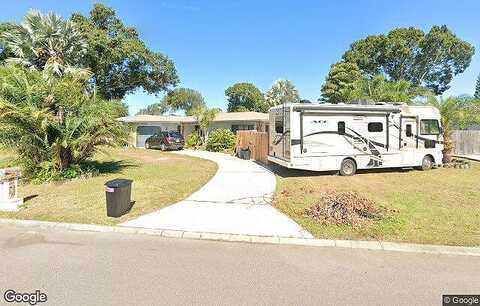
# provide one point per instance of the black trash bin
(118, 193)
(244, 153)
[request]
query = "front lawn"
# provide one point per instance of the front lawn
(441, 206)
(160, 179)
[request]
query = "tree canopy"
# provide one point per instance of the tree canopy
(340, 82)
(425, 59)
(245, 97)
(154, 109)
(185, 99)
(119, 59)
(44, 42)
(282, 91)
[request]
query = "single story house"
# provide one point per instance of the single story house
(144, 126)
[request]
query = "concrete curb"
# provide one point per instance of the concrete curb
(351, 244)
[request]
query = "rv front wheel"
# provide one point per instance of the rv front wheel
(348, 167)
(427, 163)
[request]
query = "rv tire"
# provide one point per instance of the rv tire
(427, 163)
(348, 167)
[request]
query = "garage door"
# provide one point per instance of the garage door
(143, 132)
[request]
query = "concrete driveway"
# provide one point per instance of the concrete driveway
(237, 200)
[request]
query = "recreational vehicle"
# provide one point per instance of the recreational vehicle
(347, 137)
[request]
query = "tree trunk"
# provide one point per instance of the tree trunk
(448, 147)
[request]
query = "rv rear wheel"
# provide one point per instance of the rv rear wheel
(427, 163)
(348, 167)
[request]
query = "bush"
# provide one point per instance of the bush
(194, 140)
(221, 140)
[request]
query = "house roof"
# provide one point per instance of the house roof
(220, 117)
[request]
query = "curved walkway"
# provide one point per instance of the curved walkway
(235, 201)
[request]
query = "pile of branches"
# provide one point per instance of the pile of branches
(345, 208)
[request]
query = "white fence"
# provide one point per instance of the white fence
(466, 142)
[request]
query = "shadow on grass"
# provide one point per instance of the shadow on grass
(287, 172)
(109, 167)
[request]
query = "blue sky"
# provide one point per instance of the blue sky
(217, 43)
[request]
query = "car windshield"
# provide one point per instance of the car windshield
(174, 134)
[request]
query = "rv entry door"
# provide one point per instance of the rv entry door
(408, 140)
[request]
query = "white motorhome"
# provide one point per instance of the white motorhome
(347, 137)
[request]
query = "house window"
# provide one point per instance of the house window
(429, 127)
(242, 127)
(341, 127)
(375, 127)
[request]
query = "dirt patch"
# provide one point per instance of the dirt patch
(345, 208)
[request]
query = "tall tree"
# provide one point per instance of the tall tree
(425, 59)
(477, 88)
(282, 91)
(154, 109)
(245, 97)
(119, 59)
(185, 99)
(340, 82)
(44, 42)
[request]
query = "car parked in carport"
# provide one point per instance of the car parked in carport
(167, 140)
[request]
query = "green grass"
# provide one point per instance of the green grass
(160, 179)
(441, 206)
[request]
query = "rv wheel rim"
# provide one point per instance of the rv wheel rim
(348, 167)
(427, 163)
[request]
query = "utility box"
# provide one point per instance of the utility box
(9, 200)
(118, 195)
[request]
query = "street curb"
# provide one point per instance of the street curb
(350, 244)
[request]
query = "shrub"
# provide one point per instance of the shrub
(194, 140)
(54, 124)
(221, 140)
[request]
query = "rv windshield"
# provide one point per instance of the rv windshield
(429, 127)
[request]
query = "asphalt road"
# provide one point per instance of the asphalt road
(80, 268)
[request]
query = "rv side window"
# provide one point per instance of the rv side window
(375, 127)
(429, 127)
(279, 125)
(408, 130)
(341, 127)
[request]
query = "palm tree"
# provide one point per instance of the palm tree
(379, 89)
(456, 112)
(48, 145)
(45, 42)
(204, 117)
(282, 91)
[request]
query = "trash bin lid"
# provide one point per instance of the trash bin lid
(116, 183)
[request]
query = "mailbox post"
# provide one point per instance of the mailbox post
(9, 200)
